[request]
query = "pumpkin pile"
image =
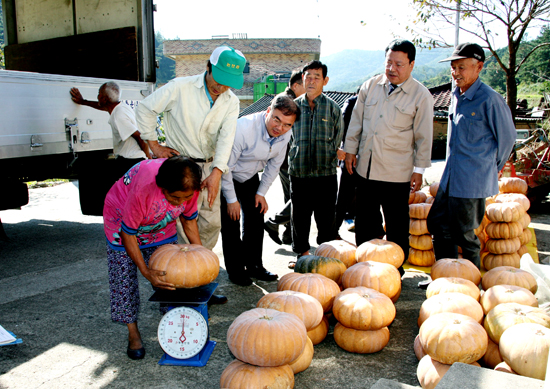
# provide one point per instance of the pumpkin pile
(421, 252)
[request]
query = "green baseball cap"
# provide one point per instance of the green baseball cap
(228, 66)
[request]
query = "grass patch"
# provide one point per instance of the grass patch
(46, 183)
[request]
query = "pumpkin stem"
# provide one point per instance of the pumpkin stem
(266, 317)
(184, 249)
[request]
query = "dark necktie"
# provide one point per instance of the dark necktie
(392, 88)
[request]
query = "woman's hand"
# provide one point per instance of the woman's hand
(156, 278)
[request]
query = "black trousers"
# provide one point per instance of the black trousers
(243, 251)
(452, 221)
(312, 196)
(393, 197)
(345, 205)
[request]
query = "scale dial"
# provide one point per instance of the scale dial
(182, 332)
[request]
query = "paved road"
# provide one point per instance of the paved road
(54, 295)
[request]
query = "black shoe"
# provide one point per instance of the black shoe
(217, 299)
(287, 237)
(263, 274)
(424, 284)
(135, 354)
(242, 280)
(273, 231)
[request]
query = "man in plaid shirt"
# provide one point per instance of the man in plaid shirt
(313, 160)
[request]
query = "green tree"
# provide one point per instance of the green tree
(483, 19)
(167, 67)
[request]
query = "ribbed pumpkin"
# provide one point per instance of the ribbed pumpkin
(361, 342)
(452, 337)
(450, 302)
(363, 308)
(382, 277)
(506, 315)
(525, 220)
(418, 350)
(452, 285)
(419, 211)
(329, 267)
(421, 242)
(522, 251)
(307, 308)
(504, 212)
(490, 260)
(418, 227)
(316, 285)
(505, 368)
(503, 230)
(429, 372)
(514, 197)
(421, 257)
(524, 347)
(319, 333)
(240, 375)
(456, 267)
(500, 294)
(508, 275)
(339, 249)
(380, 250)
(492, 357)
(304, 360)
(503, 246)
(266, 337)
(417, 197)
(525, 236)
(430, 200)
(186, 265)
(484, 223)
(512, 185)
(434, 187)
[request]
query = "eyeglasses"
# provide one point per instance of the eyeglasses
(395, 66)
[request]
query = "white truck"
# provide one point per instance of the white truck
(52, 46)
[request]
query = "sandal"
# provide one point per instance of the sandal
(292, 264)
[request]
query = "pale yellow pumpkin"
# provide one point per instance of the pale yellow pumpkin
(339, 249)
(456, 267)
(503, 246)
(504, 212)
(418, 227)
(524, 347)
(419, 211)
(382, 277)
(512, 185)
(380, 250)
(452, 285)
(500, 294)
(363, 308)
(450, 302)
(421, 242)
(307, 308)
(361, 342)
(240, 375)
(508, 275)
(452, 337)
(503, 230)
(506, 315)
(421, 257)
(514, 197)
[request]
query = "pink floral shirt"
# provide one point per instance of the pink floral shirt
(136, 205)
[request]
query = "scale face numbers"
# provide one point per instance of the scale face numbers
(182, 332)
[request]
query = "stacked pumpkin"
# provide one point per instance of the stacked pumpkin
(507, 233)
(421, 252)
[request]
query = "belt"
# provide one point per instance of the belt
(202, 160)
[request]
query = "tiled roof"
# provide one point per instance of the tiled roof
(264, 102)
(442, 96)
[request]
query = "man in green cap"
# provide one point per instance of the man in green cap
(200, 118)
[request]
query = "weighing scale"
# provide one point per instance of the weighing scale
(183, 330)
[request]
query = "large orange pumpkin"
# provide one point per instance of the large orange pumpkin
(329, 267)
(304, 360)
(509, 275)
(306, 307)
(506, 315)
(450, 302)
(421, 242)
(456, 267)
(500, 294)
(240, 375)
(434, 187)
(417, 197)
(452, 337)
(186, 265)
(503, 246)
(266, 337)
(322, 288)
(524, 347)
(380, 250)
(319, 333)
(339, 249)
(421, 257)
(429, 372)
(382, 277)
(363, 308)
(361, 342)
(418, 227)
(503, 230)
(419, 211)
(452, 285)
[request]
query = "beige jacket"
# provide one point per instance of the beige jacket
(190, 125)
(395, 130)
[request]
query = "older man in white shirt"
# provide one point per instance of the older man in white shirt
(260, 144)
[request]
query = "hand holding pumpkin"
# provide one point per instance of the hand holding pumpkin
(155, 277)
